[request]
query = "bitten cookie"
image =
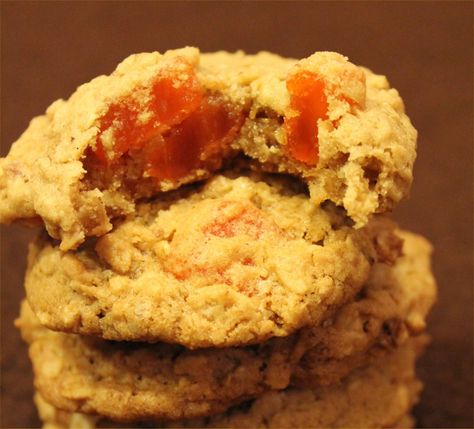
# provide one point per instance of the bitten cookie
(159, 121)
(124, 381)
(235, 262)
(377, 396)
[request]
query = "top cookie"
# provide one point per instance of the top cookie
(162, 120)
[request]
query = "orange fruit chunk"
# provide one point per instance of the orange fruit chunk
(131, 123)
(308, 104)
(199, 141)
(175, 130)
(219, 246)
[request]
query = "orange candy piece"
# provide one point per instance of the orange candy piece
(201, 138)
(308, 103)
(177, 130)
(170, 102)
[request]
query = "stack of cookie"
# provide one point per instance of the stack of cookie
(215, 253)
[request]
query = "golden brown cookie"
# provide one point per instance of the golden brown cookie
(391, 307)
(125, 381)
(376, 396)
(159, 121)
(235, 262)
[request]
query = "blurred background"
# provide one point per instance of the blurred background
(425, 49)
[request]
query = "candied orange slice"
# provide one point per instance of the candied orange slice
(308, 104)
(171, 128)
(131, 122)
(198, 141)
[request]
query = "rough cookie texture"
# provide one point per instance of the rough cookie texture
(391, 307)
(125, 381)
(159, 121)
(376, 396)
(236, 262)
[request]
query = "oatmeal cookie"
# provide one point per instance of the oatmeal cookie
(377, 396)
(127, 381)
(391, 308)
(235, 262)
(124, 381)
(162, 120)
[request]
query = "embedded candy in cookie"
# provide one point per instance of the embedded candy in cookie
(233, 263)
(376, 396)
(160, 121)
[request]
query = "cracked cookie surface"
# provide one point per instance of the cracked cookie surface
(162, 120)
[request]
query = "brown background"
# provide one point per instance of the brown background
(425, 48)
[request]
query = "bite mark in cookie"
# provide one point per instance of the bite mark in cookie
(309, 94)
(173, 126)
(160, 121)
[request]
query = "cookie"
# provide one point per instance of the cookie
(376, 396)
(125, 381)
(234, 262)
(391, 307)
(160, 121)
